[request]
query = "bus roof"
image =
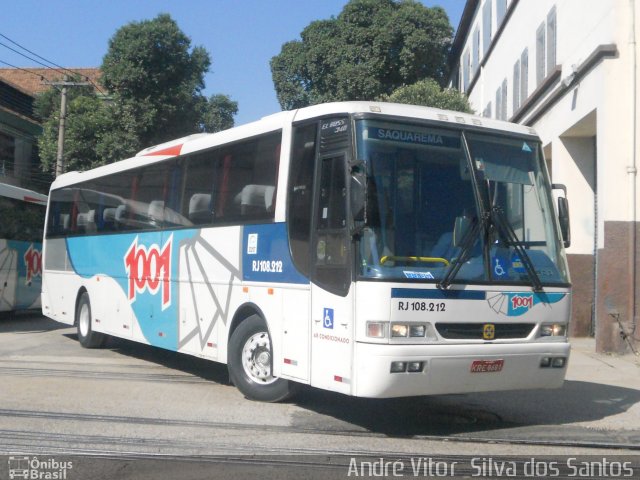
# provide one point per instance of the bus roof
(196, 142)
(19, 193)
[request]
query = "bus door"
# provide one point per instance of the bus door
(332, 331)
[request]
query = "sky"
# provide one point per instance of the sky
(241, 36)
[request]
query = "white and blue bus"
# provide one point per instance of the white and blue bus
(372, 249)
(22, 214)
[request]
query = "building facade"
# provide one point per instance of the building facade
(19, 127)
(569, 69)
(18, 132)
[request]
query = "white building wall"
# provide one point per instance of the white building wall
(587, 119)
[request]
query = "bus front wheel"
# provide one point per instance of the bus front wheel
(87, 337)
(250, 363)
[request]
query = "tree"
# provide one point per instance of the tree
(154, 80)
(218, 113)
(85, 121)
(372, 48)
(428, 93)
(151, 69)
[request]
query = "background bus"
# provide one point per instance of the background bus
(22, 215)
(372, 249)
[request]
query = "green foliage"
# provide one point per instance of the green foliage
(372, 48)
(218, 113)
(428, 93)
(150, 68)
(85, 118)
(154, 80)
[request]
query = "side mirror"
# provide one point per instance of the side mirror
(563, 215)
(358, 190)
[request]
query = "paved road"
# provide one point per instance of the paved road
(130, 399)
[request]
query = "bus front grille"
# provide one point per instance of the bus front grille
(475, 331)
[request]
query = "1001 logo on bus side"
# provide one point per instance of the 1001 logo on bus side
(149, 269)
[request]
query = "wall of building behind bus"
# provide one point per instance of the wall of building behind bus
(18, 132)
(583, 110)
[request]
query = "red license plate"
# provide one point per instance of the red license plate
(486, 366)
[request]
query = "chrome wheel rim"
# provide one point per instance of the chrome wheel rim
(256, 358)
(84, 320)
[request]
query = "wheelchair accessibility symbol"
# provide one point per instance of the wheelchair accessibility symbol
(498, 269)
(327, 316)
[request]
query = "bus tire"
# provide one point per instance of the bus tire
(250, 363)
(87, 337)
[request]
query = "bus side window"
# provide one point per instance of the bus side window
(332, 270)
(200, 209)
(10, 218)
(199, 176)
(300, 196)
(109, 218)
(247, 179)
(59, 213)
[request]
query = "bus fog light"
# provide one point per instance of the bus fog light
(399, 330)
(553, 330)
(558, 362)
(417, 330)
(415, 367)
(398, 367)
(545, 362)
(559, 330)
(376, 329)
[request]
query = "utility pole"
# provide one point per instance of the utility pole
(63, 116)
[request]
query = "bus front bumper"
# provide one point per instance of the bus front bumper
(385, 371)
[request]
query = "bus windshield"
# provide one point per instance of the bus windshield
(440, 200)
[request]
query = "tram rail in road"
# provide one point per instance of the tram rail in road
(125, 400)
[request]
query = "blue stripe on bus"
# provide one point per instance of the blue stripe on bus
(266, 255)
(434, 294)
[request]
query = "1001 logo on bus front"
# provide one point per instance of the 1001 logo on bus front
(149, 269)
(521, 301)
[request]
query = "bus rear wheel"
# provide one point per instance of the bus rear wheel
(87, 337)
(250, 363)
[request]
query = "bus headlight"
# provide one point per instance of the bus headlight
(402, 332)
(553, 330)
(418, 331)
(399, 330)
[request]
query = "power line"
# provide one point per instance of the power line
(59, 67)
(33, 53)
(28, 57)
(24, 70)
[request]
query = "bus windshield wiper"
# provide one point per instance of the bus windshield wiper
(495, 218)
(506, 231)
(468, 240)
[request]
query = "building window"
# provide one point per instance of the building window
(465, 71)
(501, 10)
(486, 27)
(455, 79)
(501, 101)
(524, 76)
(551, 40)
(516, 86)
(503, 115)
(7, 154)
(476, 51)
(487, 111)
(540, 54)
